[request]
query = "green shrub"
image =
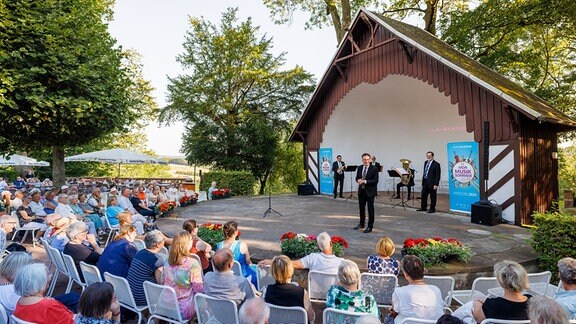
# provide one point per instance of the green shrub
(553, 237)
(240, 182)
(9, 173)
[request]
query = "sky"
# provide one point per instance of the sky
(156, 30)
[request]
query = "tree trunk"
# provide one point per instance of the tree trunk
(430, 16)
(262, 186)
(58, 171)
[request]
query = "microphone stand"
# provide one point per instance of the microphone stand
(270, 210)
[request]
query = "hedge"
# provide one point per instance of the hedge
(553, 237)
(241, 183)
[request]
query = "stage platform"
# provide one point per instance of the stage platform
(318, 213)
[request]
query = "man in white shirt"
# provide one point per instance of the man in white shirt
(36, 205)
(17, 201)
(126, 204)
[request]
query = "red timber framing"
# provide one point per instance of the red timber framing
(376, 47)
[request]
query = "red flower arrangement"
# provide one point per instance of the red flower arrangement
(221, 192)
(187, 200)
(297, 246)
(436, 250)
(166, 206)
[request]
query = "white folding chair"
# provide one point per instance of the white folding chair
(124, 294)
(202, 196)
(293, 315)
(214, 310)
(164, 251)
(381, 286)
(445, 284)
(162, 303)
(56, 258)
(72, 272)
(414, 320)
(318, 284)
(264, 277)
(112, 229)
(501, 321)
(237, 269)
(139, 244)
(16, 320)
(479, 290)
(332, 315)
(17, 229)
(539, 282)
(90, 272)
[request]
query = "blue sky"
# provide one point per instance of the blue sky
(156, 29)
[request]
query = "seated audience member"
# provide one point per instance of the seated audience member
(140, 204)
(18, 200)
(19, 183)
(183, 273)
(417, 299)
(240, 250)
(222, 283)
(56, 233)
(7, 224)
(36, 203)
(29, 219)
(113, 210)
(50, 202)
(543, 310)
(125, 218)
(254, 311)
(82, 246)
(513, 278)
(199, 247)
(211, 190)
(47, 183)
(324, 261)
(96, 202)
(567, 274)
(124, 202)
(9, 266)
(283, 292)
(146, 266)
(117, 256)
(31, 282)
(81, 215)
(383, 263)
(87, 209)
(98, 305)
(346, 295)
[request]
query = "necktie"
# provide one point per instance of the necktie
(364, 172)
(427, 169)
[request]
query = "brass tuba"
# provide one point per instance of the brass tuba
(405, 178)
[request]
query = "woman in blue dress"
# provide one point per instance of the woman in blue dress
(240, 250)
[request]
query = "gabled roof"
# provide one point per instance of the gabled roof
(520, 99)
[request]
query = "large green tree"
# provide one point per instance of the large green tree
(235, 98)
(63, 82)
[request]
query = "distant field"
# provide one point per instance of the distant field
(185, 171)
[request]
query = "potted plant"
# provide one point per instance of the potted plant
(221, 193)
(296, 246)
(436, 250)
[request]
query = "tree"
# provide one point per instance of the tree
(63, 83)
(234, 99)
(339, 13)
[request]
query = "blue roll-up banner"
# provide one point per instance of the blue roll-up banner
(325, 172)
(463, 175)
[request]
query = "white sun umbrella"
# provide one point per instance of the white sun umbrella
(115, 156)
(21, 160)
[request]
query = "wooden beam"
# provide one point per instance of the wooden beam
(344, 58)
(407, 52)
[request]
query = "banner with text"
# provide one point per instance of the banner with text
(325, 172)
(463, 175)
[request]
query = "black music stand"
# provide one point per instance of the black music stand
(351, 168)
(393, 174)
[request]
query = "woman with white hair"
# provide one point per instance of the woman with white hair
(82, 246)
(567, 274)
(9, 266)
(513, 278)
(346, 296)
(31, 282)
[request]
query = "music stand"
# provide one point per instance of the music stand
(393, 174)
(351, 168)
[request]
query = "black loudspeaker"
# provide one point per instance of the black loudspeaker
(486, 213)
(486, 142)
(305, 190)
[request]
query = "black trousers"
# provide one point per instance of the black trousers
(339, 180)
(424, 202)
(363, 199)
(400, 185)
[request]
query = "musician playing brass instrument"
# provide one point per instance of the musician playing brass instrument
(338, 168)
(406, 179)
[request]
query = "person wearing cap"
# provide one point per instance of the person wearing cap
(56, 233)
(64, 189)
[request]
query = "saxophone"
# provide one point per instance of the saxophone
(405, 178)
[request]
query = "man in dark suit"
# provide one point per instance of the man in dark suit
(367, 179)
(338, 170)
(430, 182)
